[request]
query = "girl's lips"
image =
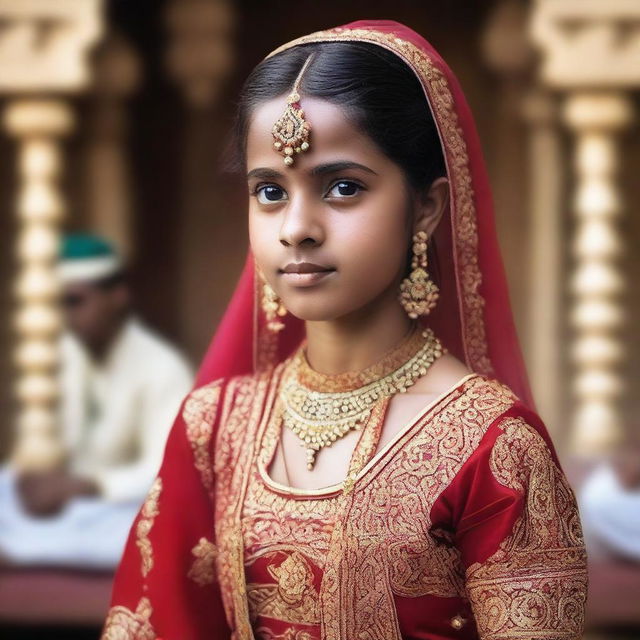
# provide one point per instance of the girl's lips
(306, 279)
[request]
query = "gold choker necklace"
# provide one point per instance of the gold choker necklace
(321, 409)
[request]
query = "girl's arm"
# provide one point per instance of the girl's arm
(166, 587)
(518, 530)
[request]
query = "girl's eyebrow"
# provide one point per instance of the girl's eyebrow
(265, 173)
(341, 165)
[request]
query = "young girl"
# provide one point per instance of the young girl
(360, 460)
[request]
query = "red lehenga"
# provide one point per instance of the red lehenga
(463, 526)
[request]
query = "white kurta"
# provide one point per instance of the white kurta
(115, 418)
(610, 515)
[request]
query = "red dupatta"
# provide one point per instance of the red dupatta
(473, 317)
(153, 599)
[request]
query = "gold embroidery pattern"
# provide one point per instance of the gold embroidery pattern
(263, 633)
(148, 514)
(535, 585)
(293, 599)
(380, 549)
(246, 397)
(464, 224)
(202, 571)
(124, 624)
(199, 415)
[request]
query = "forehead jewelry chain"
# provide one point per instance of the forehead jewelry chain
(291, 130)
(319, 418)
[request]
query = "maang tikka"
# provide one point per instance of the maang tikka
(418, 293)
(291, 130)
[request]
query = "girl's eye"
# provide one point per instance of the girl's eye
(270, 193)
(344, 189)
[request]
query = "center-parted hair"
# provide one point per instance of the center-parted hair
(379, 93)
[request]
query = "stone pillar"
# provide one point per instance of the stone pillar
(590, 53)
(43, 53)
(596, 120)
(37, 127)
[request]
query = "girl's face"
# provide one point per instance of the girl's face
(331, 233)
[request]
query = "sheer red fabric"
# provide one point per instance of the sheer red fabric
(473, 317)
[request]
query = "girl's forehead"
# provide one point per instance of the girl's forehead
(332, 133)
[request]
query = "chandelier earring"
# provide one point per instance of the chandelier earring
(272, 307)
(419, 294)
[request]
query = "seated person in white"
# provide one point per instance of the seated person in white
(610, 506)
(121, 386)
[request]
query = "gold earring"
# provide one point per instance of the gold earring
(273, 308)
(419, 294)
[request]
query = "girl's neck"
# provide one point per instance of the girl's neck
(357, 341)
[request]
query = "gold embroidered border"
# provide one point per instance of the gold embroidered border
(235, 447)
(148, 514)
(464, 223)
(535, 585)
(124, 624)
(199, 415)
(380, 548)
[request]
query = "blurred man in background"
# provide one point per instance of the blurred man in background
(610, 506)
(121, 386)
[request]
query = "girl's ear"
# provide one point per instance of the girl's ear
(431, 205)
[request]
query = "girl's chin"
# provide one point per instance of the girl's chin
(320, 310)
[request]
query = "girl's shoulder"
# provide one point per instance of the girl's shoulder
(227, 393)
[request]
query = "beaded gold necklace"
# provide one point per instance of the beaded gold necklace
(321, 409)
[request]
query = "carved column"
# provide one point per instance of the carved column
(597, 282)
(43, 48)
(590, 53)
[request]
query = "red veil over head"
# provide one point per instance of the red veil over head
(473, 317)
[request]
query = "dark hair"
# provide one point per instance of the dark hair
(378, 91)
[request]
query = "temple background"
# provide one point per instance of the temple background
(143, 161)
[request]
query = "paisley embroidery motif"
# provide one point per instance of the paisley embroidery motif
(293, 598)
(124, 624)
(535, 585)
(202, 571)
(148, 514)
